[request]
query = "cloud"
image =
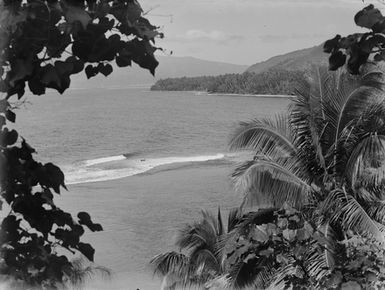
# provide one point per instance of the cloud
(212, 36)
(292, 36)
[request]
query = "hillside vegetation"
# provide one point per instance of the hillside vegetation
(274, 82)
(302, 60)
(279, 75)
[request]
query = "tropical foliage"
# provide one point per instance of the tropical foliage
(313, 212)
(327, 153)
(360, 266)
(198, 260)
(272, 82)
(325, 158)
(42, 44)
(358, 48)
(312, 215)
(279, 249)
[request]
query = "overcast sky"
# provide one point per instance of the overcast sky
(249, 31)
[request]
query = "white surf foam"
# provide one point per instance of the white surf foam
(93, 171)
(104, 160)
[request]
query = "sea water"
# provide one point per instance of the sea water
(103, 134)
(104, 138)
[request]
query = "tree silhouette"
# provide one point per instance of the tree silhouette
(356, 49)
(42, 44)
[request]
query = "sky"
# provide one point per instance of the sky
(249, 31)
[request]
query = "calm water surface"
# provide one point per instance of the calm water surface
(88, 131)
(87, 124)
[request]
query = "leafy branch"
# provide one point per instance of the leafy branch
(45, 43)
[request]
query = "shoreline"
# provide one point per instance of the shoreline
(251, 95)
(229, 94)
(122, 166)
(141, 215)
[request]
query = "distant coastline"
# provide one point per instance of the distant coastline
(251, 95)
(230, 94)
(270, 83)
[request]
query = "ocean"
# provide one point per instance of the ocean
(142, 163)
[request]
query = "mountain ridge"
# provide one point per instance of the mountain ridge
(169, 67)
(302, 59)
(277, 75)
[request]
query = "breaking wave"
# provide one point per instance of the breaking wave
(120, 166)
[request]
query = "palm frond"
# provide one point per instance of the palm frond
(220, 230)
(356, 103)
(322, 78)
(320, 256)
(277, 182)
(81, 271)
(330, 246)
(204, 232)
(220, 282)
(354, 217)
(342, 108)
(307, 123)
(336, 88)
(205, 260)
(233, 219)
(374, 78)
(371, 196)
(189, 237)
(269, 137)
(225, 245)
(370, 149)
(376, 210)
(227, 240)
(264, 278)
(170, 262)
(283, 273)
(316, 265)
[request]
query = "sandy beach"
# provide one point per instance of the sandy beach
(140, 216)
(140, 213)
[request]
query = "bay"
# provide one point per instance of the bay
(142, 163)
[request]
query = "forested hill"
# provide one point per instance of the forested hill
(273, 82)
(302, 60)
(277, 75)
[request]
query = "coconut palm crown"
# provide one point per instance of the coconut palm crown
(198, 260)
(316, 180)
(324, 158)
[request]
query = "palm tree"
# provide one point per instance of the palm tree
(82, 271)
(198, 260)
(324, 158)
(76, 276)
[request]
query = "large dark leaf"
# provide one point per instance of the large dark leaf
(123, 61)
(78, 65)
(91, 71)
(51, 176)
(331, 44)
(36, 86)
(368, 17)
(105, 69)
(9, 137)
(85, 219)
(336, 60)
(87, 250)
(11, 116)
